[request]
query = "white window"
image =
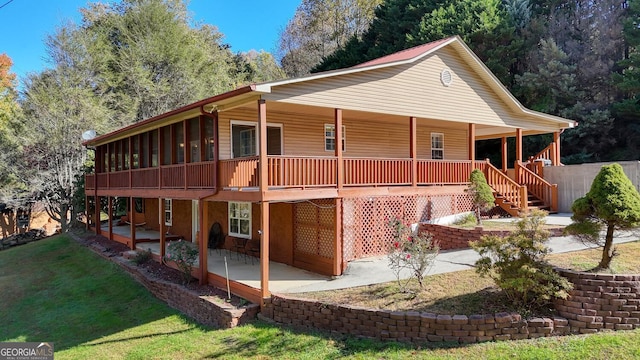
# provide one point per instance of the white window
(168, 213)
(330, 137)
(240, 219)
(437, 146)
(244, 139)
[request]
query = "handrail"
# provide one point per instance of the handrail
(538, 186)
(506, 187)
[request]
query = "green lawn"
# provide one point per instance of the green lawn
(56, 290)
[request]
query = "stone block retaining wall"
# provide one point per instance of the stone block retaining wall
(458, 238)
(206, 310)
(601, 301)
(597, 302)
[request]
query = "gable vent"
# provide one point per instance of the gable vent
(446, 77)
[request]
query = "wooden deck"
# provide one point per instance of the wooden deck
(289, 172)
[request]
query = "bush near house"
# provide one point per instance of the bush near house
(518, 266)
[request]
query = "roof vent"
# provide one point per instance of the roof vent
(446, 77)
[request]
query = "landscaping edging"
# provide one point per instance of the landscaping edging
(601, 301)
(598, 302)
(457, 238)
(206, 310)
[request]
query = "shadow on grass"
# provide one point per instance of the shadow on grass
(56, 290)
(275, 341)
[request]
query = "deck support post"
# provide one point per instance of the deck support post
(518, 153)
(86, 207)
(504, 151)
(132, 221)
(97, 214)
(110, 205)
(337, 123)
(472, 144)
(337, 250)
(264, 205)
(413, 150)
(203, 220)
(163, 229)
(264, 251)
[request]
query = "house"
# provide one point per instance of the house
(307, 171)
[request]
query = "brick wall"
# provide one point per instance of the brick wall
(206, 310)
(457, 238)
(408, 326)
(601, 301)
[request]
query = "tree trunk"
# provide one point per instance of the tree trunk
(607, 252)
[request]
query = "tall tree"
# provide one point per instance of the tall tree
(151, 60)
(9, 126)
(318, 28)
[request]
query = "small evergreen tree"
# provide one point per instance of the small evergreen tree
(517, 264)
(481, 193)
(613, 202)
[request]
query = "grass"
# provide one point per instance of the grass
(56, 290)
(469, 222)
(626, 262)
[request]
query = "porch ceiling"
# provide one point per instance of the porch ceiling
(482, 131)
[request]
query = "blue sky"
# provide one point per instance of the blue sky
(246, 25)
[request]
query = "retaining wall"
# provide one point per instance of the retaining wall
(601, 301)
(457, 238)
(206, 310)
(597, 302)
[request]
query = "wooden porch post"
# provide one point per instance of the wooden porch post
(413, 150)
(337, 123)
(264, 206)
(161, 146)
(86, 211)
(504, 151)
(185, 152)
(519, 144)
(337, 250)
(97, 214)
(163, 229)
(132, 220)
(110, 205)
(264, 251)
(203, 219)
(556, 155)
(472, 144)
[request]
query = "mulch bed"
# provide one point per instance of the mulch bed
(160, 271)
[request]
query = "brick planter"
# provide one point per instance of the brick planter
(457, 238)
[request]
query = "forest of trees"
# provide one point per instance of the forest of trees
(130, 60)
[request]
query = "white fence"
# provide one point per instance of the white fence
(574, 181)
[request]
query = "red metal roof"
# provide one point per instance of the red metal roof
(403, 55)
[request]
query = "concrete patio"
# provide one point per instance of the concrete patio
(288, 279)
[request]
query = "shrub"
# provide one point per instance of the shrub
(142, 257)
(517, 263)
(411, 252)
(184, 254)
(481, 193)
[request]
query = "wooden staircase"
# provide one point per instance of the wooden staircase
(519, 197)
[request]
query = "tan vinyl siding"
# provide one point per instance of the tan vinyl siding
(414, 90)
(304, 135)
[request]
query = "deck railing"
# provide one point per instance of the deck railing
(300, 171)
(239, 173)
(374, 172)
(510, 190)
(443, 172)
(538, 186)
(291, 172)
